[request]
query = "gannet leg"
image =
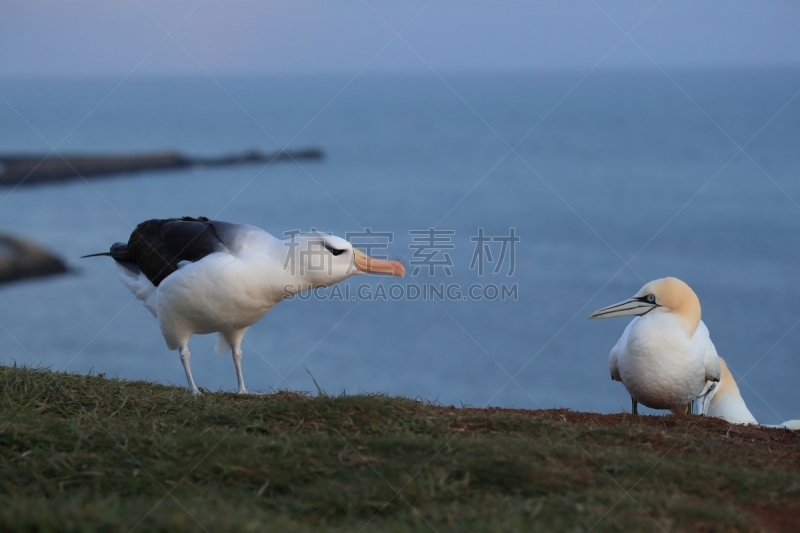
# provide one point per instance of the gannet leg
(185, 356)
(634, 406)
(701, 403)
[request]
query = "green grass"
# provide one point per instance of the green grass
(83, 453)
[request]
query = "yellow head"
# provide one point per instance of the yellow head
(662, 295)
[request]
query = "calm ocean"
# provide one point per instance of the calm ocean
(627, 167)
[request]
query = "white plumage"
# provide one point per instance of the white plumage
(665, 357)
(200, 276)
(726, 402)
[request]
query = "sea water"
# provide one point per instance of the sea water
(608, 181)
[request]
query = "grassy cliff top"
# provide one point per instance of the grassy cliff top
(82, 453)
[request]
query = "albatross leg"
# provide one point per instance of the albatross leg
(185, 356)
(234, 340)
(237, 362)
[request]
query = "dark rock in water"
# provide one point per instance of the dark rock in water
(31, 169)
(20, 259)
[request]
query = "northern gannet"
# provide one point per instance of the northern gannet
(726, 402)
(665, 357)
(205, 276)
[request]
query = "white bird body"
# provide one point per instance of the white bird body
(658, 364)
(239, 290)
(200, 276)
(726, 402)
(665, 357)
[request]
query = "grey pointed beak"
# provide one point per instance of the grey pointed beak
(631, 306)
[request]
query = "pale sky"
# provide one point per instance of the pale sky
(117, 37)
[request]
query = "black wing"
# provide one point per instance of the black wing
(158, 245)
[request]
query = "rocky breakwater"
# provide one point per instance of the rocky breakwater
(20, 259)
(30, 169)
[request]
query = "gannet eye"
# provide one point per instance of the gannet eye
(651, 298)
(333, 250)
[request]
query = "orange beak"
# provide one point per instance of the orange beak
(368, 264)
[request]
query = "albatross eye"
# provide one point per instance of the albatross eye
(334, 251)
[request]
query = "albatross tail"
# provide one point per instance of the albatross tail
(119, 251)
(131, 276)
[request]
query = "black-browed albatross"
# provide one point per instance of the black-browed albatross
(206, 276)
